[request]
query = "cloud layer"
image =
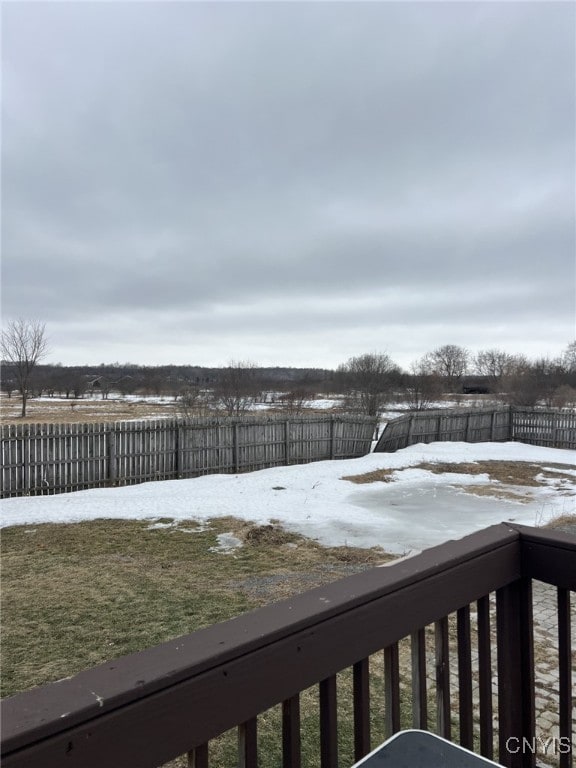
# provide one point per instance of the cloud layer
(292, 183)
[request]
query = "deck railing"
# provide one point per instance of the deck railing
(473, 596)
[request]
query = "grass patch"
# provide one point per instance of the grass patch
(497, 492)
(564, 522)
(376, 476)
(504, 472)
(77, 595)
(507, 472)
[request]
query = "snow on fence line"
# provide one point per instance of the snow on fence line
(55, 458)
(553, 428)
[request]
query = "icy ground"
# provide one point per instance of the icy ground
(418, 509)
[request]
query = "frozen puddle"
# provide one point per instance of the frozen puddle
(417, 518)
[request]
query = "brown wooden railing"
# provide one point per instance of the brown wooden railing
(171, 700)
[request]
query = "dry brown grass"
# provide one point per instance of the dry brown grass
(377, 476)
(505, 472)
(565, 522)
(82, 411)
(496, 491)
(79, 594)
(85, 411)
(508, 472)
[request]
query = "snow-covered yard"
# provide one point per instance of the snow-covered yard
(416, 509)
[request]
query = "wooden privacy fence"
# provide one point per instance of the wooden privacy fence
(54, 458)
(551, 428)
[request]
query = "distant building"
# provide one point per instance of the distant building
(476, 385)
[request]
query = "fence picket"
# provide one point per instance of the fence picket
(555, 429)
(55, 458)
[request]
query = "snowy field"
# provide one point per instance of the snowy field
(415, 510)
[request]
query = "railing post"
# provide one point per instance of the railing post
(291, 747)
(198, 758)
(248, 744)
(516, 718)
(443, 708)
(465, 700)
(419, 694)
(391, 690)
(485, 677)
(361, 678)
(328, 724)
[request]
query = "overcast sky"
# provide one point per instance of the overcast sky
(288, 183)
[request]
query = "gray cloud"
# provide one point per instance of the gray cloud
(294, 180)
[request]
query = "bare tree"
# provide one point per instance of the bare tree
(422, 386)
(569, 358)
(8, 382)
(23, 344)
(450, 362)
(532, 383)
(295, 401)
(192, 401)
(495, 364)
(369, 379)
(236, 388)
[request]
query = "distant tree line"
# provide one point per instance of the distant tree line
(231, 389)
(373, 380)
(369, 382)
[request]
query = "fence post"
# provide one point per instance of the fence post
(467, 433)
(235, 457)
(492, 425)
(177, 438)
(112, 469)
(410, 431)
(510, 423)
(332, 438)
(25, 459)
(556, 428)
(287, 441)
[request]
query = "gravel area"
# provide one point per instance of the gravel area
(281, 585)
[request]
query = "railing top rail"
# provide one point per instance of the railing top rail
(548, 555)
(553, 536)
(58, 707)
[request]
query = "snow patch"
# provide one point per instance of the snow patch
(418, 510)
(227, 543)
